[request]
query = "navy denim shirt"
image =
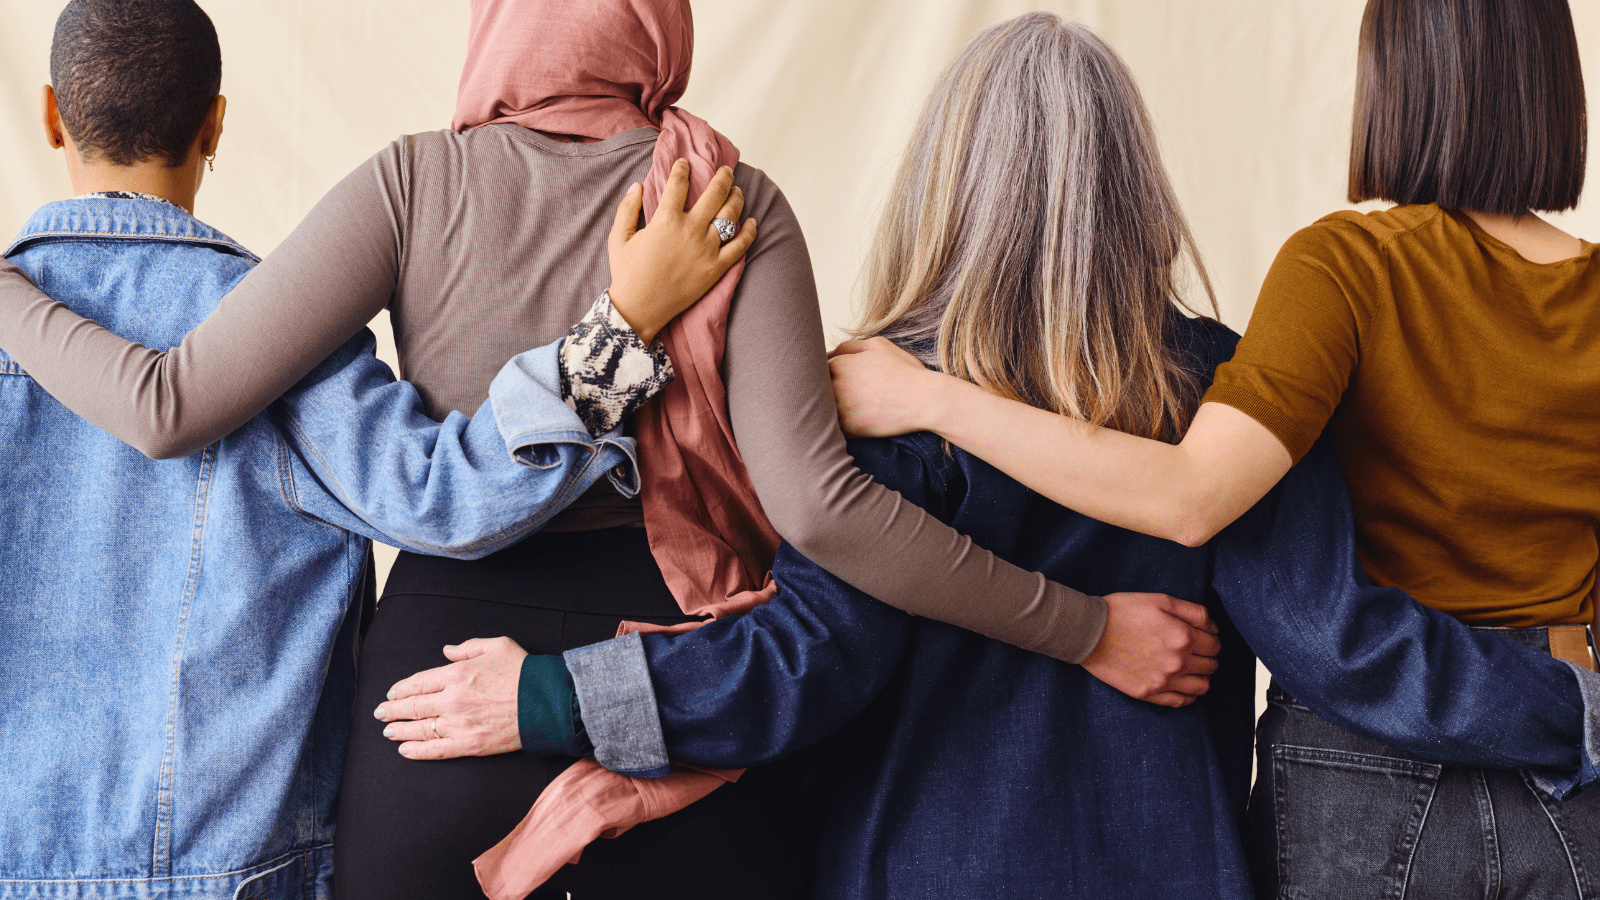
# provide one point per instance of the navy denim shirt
(177, 666)
(958, 765)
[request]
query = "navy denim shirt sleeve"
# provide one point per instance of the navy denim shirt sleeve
(368, 459)
(749, 689)
(1377, 662)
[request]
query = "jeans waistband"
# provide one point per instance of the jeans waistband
(1537, 637)
(1573, 643)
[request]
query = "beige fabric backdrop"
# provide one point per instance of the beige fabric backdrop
(1251, 99)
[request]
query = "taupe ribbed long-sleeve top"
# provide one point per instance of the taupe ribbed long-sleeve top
(486, 243)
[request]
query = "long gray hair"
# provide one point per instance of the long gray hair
(1032, 242)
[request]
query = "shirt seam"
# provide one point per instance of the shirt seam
(1266, 414)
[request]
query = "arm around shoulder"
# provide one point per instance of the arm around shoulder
(784, 418)
(1183, 492)
(327, 280)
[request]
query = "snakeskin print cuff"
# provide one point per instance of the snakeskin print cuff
(607, 372)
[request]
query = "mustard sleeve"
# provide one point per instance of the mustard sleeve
(1304, 340)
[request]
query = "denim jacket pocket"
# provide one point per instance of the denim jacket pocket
(1347, 822)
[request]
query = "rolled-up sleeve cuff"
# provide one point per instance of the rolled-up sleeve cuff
(533, 419)
(618, 705)
(1564, 785)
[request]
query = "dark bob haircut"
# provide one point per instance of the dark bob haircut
(135, 78)
(1470, 104)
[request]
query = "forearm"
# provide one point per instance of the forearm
(458, 487)
(744, 690)
(1183, 492)
(326, 281)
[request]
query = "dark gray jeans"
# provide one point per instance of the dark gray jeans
(1337, 815)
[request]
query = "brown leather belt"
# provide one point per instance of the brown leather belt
(1571, 643)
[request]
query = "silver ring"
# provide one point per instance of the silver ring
(434, 724)
(725, 229)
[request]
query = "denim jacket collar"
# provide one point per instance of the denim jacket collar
(103, 218)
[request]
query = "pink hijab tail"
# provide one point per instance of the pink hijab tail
(707, 529)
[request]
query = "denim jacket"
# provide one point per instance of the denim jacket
(178, 663)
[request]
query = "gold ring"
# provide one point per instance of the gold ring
(434, 724)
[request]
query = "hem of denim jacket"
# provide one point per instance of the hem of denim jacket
(617, 702)
(316, 866)
(1563, 786)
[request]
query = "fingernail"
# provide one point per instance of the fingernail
(390, 695)
(378, 714)
(725, 169)
(635, 187)
(388, 731)
(681, 162)
(405, 750)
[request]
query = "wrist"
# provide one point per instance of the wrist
(642, 325)
(941, 398)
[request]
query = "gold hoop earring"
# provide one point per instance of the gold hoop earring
(211, 162)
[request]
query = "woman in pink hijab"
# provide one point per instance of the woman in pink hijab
(489, 238)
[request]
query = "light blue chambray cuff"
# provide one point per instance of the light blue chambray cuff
(618, 705)
(531, 415)
(624, 474)
(1564, 786)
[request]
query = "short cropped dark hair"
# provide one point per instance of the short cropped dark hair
(1470, 104)
(135, 78)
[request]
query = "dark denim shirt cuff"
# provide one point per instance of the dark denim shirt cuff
(547, 709)
(618, 705)
(1564, 785)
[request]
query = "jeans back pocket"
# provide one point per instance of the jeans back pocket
(1347, 822)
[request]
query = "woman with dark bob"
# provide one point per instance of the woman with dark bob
(490, 238)
(1449, 350)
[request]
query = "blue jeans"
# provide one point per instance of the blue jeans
(1338, 815)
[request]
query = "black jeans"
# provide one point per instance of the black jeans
(1338, 815)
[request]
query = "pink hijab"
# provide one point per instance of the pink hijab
(595, 68)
